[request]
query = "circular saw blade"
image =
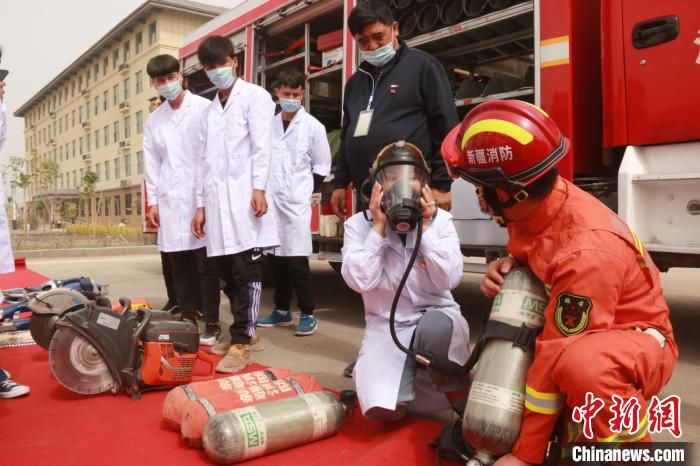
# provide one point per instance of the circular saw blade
(40, 328)
(77, 364)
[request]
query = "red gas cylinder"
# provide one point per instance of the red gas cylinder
(177, 398)
(196, 413)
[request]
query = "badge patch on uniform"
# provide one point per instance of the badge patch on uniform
(571, 315)
(393, 89)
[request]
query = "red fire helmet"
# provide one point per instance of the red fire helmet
(506, 144)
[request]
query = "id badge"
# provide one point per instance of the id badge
(363, 123)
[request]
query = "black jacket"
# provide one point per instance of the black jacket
(413, 102)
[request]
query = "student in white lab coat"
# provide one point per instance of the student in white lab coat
(374, 260)
(172, 147)
(301, 159)
(232, 208)
(8, 388)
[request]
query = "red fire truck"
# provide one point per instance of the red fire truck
(620, 77)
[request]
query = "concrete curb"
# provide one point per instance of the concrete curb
(87, 252)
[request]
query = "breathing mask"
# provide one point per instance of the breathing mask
(402, 173)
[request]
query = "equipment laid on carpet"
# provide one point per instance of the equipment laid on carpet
(16, 338)
(177, 398)
(95, 349)
(266, 428)
(56, 426)
(197, 413)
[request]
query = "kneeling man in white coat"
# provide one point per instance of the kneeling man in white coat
(376, 253)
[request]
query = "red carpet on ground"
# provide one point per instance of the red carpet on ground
(21, 277)
(53, 426)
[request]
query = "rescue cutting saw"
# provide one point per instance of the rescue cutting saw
(94, 350)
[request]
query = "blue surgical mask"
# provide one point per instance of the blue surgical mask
(171, 90)
(380, 56)
(222, 77)
(290, 105)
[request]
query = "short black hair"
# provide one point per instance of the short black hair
(214, 50)
(162, 65)
(371, 11)
(290, 77)
(543, 186)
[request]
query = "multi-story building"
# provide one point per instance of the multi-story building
(91, 117)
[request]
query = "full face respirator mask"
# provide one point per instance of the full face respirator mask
(402, 173)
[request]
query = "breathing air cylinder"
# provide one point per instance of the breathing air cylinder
(258, 430)
(494, 410)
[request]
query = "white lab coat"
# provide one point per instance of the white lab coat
(171, 147)
(7, 262)
(297, 154)
(234, 162)
(373, 266)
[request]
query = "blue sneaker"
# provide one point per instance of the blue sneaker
(276, 319)
(307, 325)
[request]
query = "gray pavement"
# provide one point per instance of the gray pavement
(340, 316)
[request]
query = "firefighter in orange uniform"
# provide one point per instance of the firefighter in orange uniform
(607, 328)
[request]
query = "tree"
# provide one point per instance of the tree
(88, 191)
(46, 177)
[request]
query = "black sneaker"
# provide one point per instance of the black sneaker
(9, 389)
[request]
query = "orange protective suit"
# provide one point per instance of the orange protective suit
(603, 289)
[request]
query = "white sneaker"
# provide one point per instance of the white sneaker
(9, 389)
(207, 340)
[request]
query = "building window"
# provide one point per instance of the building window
(152, 33)
(97, 105)
(139, 82)
(105, 100)
(139, 163)
(97, 170)
(115, 129)
(139, 42)
(60, 126)
(127, 52)
(127, 127)
(87, 111)
(115, 95)
(87, 79)
(138, 203)
(127, 204)
(89, 138)
(139, 122)
(106, 130)
(73, 148)
(82, 173)
(97, 139)
(127, 165)
(81, 145)
(127, 88)
(117, 205)
(117, 169)
(97, 71)
(115, 59)
(108, 174)
(105, 65)
(60, 154)
(107, 201)
(75, 178)
(80, 114)
(72, 115)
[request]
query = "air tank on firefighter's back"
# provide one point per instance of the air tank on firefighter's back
(494, 408)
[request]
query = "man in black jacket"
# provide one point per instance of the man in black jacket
(397, 93)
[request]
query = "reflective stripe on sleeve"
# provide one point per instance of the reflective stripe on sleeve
(543, 403)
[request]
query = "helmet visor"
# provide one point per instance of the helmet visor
(400, 182)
